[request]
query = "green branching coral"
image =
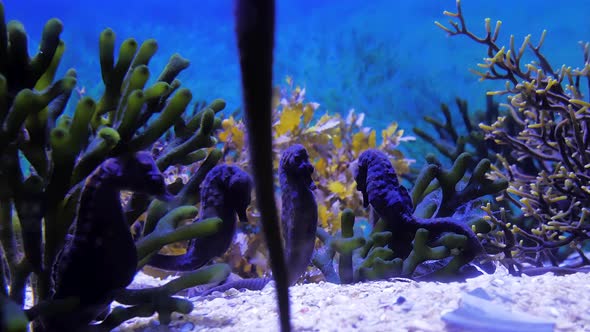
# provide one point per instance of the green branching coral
(72, 156)
(403, 238)
(433, 177)
(550, 112)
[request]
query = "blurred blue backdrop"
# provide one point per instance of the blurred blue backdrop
(382, 57)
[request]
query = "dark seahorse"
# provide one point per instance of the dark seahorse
(299, 218)
(100, 258)
(225, 193)
(299, 214)
(377, 181)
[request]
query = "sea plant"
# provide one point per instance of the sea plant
(550, 112)
(49, 160)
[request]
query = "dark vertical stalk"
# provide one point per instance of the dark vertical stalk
(255, 22)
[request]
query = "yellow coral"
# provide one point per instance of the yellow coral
(323, 216)
(289, 120)
(308, 113)
(233, 133)
(337, 188)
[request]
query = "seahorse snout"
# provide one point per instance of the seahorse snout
(305, 171)
(156, 186)
(242, 215)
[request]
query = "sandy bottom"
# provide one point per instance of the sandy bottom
(392, 305)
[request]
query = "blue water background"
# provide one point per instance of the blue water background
(382, 57)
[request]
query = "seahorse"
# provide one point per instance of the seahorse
(225, 193)
(377, 180)
(299, 214)
(299, 218)
(100, 257)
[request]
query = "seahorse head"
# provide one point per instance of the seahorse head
(360, 173)
(137, 172)
(377, 180)
(227, 186)
(295, 165)
(239, 191)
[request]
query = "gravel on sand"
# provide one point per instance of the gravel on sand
(390, 305)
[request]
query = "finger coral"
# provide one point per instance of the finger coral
(64, 224)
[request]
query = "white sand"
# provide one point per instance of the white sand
(394, 305)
